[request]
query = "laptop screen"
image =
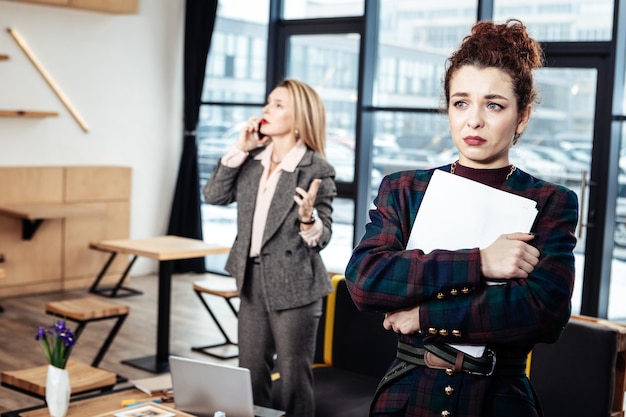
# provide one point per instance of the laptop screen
(202, 388)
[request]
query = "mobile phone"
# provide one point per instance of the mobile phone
(258, 134)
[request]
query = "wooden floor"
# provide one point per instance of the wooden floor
(191, 325)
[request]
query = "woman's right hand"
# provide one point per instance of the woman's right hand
(405, 321)
(247, 139)
(509, 256)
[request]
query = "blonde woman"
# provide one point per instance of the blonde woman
(284, 188)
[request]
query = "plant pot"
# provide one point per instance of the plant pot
(57, 391)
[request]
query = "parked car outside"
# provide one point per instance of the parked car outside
(211, 148)
(385, 143)
(619, 235)
(534, 164)
(404, 159)
(341, 157)
(211, 130)
(339, 150)
(573, 167)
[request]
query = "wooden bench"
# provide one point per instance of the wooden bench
(83, 378)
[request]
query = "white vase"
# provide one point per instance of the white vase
(57, 391)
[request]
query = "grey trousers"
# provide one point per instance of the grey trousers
(282, 341)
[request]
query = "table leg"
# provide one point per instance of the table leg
(166, 268)
(159, 363)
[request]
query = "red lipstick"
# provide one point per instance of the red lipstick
(474, 140)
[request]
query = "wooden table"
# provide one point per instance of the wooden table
(32, 215)
(165, 249)
(101, 405)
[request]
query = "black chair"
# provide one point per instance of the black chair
(583, 373)
(357, 353)
(353, 352)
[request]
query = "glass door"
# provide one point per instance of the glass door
(617, 288)
(558, 141)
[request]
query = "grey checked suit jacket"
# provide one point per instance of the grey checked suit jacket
(294, 273)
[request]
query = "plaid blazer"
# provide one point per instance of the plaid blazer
(455, 304)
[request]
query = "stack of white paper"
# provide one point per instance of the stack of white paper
(458, 213)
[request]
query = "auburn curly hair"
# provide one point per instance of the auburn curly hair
(505, 46)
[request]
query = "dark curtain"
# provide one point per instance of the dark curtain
(185, 216)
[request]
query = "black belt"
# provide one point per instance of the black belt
(255, 260)
(487, 365)
(412, 357)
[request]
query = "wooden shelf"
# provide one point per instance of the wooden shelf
(27, 113)
(32, 215)
(108, 6)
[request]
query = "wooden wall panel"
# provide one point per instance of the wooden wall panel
(80, 261)
(58, 255)
(29, 264)
(31, 184)
(102, 183)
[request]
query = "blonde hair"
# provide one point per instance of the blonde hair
(309, 114)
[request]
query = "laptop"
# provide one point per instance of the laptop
(202, 388)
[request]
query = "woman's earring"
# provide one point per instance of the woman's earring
(516, 138)
(297, 133)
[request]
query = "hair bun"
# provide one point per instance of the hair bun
(506, 46)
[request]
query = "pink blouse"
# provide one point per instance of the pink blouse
(267, 186)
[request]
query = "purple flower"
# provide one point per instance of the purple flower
(57, 342)
(41, 333)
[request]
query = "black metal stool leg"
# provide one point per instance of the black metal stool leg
(94, 286)
(227, 340)
(112, 292)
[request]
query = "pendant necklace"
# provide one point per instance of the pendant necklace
(513, 168)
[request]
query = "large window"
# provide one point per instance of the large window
(308, 9)
(234, 89)
(382, 90)
(330, 64)
(578, 20)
